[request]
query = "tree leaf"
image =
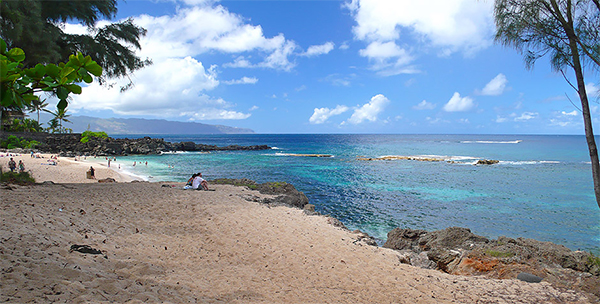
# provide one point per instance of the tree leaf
(62, 93)
(62, 104)
(52, 70)
(16, 54)
(66, 71)
(87, 78)
(94, 68)
(75, 89)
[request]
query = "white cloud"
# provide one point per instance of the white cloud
(212, 114)
(321, 115)
(525, 116)
(339, 80)
(496, 86)
(177, 83)
(572, 113)
(388, 58)
(172, 87)
(254, 108)
(424, 105)
(592, 90)
(459, 104)
(500, 119)
(451, 25)
(243, 80)
(316, 50)
(370, 110)
(239, 62)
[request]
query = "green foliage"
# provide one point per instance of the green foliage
(34, 26)
(87, 135)
(593, 260)
(20, 86)
(13, 142)
(25, 125)
(236, 182)
(22, 178)
(499, 254)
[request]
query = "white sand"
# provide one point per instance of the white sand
(167, 245)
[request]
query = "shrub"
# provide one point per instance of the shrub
(22, 178)
(13, 142)
(87, 135)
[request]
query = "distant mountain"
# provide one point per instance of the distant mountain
(147, 126)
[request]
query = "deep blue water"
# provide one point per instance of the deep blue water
(542, 187)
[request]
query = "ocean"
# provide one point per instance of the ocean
(541, 188)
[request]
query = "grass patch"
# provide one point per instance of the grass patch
(17, 178)
(593, 260)
(499, 254)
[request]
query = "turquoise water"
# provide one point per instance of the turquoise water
(541, 189)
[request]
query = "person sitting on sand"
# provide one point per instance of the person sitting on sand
(12, 165)
(189, 182)
(199, 181)
(21, 166)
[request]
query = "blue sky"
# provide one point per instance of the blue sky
(361, 66)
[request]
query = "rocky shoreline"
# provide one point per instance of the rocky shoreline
(70, 145)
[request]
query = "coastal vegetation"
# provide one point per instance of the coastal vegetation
(13, 142)
(566, 30)
(35, 27)
(87, 135)
(21, 178)
(20, 86)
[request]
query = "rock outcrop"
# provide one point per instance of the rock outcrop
(458, 251)
(487, 162)
(284, 193)
(71, 145)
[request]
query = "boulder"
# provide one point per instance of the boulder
(487, 162)
(457, 250)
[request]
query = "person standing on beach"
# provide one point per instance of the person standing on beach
(12, 165)
(21, 166)
(92, 172)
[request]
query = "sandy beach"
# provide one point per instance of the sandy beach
(162, 244)
(66, 170)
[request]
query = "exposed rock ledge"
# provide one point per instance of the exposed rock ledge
(458, 251)
(70, 145)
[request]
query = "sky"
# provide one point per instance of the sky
(355, 66)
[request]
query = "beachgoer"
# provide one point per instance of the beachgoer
(92, 171)
(189, 182)
(12, 165)
(21, 166)
(109, 162)
(199, 181)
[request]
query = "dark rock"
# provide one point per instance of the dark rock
(487, 162)
(107, 180)
(70, 145)
(336, 223)
(529, 278)
(458, 251)
(401, 239)
(365, 238)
